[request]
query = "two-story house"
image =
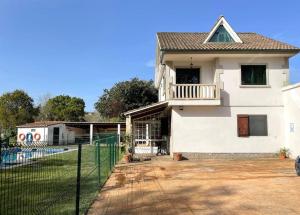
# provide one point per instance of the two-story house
(220, 93)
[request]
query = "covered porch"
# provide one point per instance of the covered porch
(149, 129)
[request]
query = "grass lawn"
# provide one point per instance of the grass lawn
(48, 185)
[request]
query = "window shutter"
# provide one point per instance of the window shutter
(243, 125)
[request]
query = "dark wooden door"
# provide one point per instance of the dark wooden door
(243, 125)
(55, 136)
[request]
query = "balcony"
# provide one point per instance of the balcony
(194, 94)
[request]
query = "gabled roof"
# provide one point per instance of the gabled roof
(201, 41)
(174, 41)
(222, 22)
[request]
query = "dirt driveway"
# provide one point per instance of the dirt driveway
(163, 186)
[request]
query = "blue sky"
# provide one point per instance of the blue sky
(81, 47)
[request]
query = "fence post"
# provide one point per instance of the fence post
(78, 179)
(114, 151)
(109, 154)
(99, 162)
(116, 148)
(0, 150)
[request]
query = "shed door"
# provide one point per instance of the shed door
(55, 135)
(243, 126)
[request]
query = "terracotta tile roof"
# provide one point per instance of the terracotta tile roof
(175, 41)
(40, 124)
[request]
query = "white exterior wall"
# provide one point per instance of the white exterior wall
(292, 119)
(65, 136)
(42, 131)
(236, 95)
(63, 133)
(214, 130)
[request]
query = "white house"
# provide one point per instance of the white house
(220, 92)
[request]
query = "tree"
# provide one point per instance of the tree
(64, 108)
(93, 117)
(16, 108)
(43, 109)
(126, 95)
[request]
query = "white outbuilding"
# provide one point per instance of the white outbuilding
(52, 132)
(63, 133)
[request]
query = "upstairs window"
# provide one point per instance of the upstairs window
(221, 36)
(254, 75)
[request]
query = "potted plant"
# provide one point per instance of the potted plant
(127, 148)
(177, 156)
(128, 157)
(284, 153)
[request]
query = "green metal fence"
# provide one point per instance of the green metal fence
(37, 178)
(97, 163)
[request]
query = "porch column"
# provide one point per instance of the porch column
(217, 79)
(168, 82)
(128, 125)
(91, 133)
(147, 134)
(119, 132)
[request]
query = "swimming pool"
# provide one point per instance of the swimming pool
(22, 155)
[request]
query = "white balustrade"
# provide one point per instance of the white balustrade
(194, 91)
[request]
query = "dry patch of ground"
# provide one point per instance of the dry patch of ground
(263, 186)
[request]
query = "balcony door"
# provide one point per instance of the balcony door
(188, 76)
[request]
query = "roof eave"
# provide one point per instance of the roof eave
(272, 51)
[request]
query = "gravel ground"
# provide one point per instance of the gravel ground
(164, 186)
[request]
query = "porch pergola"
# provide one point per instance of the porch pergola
(149, 128)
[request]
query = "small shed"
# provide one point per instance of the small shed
(53, 132)
(63, 133)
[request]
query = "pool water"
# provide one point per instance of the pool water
(18, 155)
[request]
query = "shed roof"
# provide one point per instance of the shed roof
(40, 124)
(146, 109)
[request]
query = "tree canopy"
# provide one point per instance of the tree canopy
(63, 108)
(124, 96)
(16, 108)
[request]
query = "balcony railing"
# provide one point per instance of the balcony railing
(194, 91)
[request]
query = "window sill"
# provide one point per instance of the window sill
(255, 86)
